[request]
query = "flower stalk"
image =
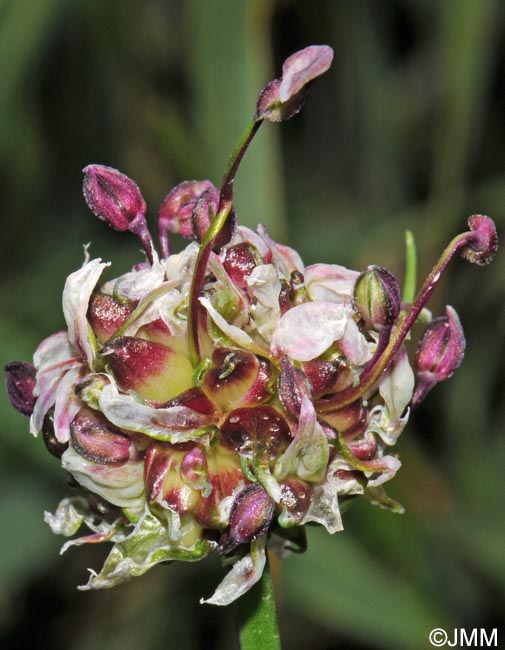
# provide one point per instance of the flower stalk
(256, 616)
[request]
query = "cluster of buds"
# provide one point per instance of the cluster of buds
(227, 395)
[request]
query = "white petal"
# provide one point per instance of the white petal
(173, 424)
(397, 386)
(76, 294)
(121, 485)
(234, 333)
(67, 404)
(330, 283)
(355, 346)
(264, 285)
(243, 575)
(308, 454)
(308, 330)
(324, 505)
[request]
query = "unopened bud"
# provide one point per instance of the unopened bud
(485, 244)
(20, 382)
(250, 517)
(204, 212)
(377, 297)
(175, 213)
(112, 196)
(283, 98)
(439, 353)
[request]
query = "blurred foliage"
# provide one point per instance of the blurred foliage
(406, 131)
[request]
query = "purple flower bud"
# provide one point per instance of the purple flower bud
(112, 196)
(482, 250)
(250, 517)
(175, 212)
(20, 382)
(204, 212)
(439, 353)
(377, 297)
(283, 98)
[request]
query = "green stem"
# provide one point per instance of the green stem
(224, 208)
(257, 618)
(409, 284)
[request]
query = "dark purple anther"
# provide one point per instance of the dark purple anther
(175, 213)
(250, 517)
(439, 353)
(116, 199)
(377, 297)
(20, 382)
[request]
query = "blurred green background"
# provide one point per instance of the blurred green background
(407, 130)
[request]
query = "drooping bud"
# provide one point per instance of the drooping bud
(204, 212)
(439, 353)
(98, 440)
(250, 517)
(153, 370)
(175, 213)
(482, 250)
(112, 196)
(377, 297)
(19, 383)
(116, 199)
(238, 378)
(106, 315)
(283, 98)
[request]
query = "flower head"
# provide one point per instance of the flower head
(209, 399)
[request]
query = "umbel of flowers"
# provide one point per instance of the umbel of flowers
(223, 397)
